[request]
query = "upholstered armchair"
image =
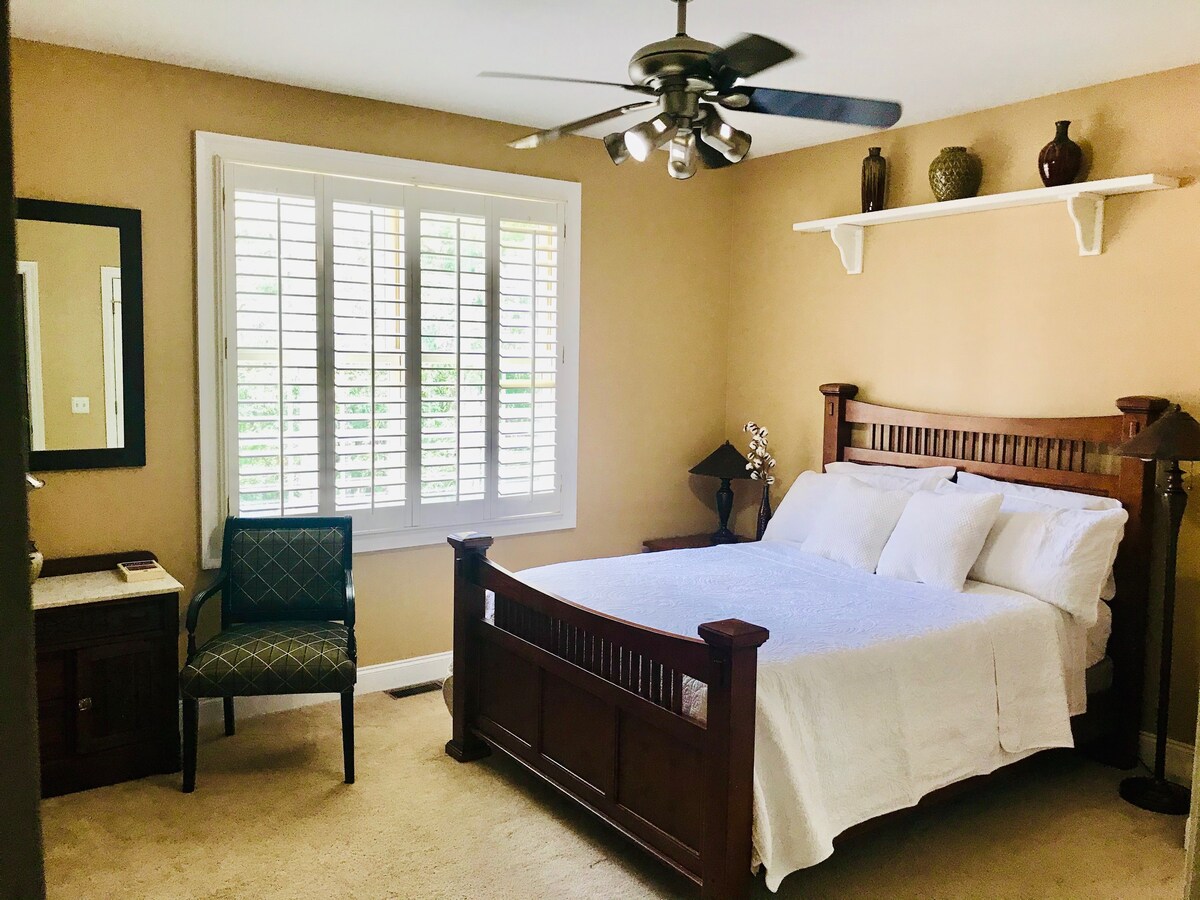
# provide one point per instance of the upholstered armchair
(287, 623)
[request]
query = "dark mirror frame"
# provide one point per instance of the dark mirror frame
(129, 223)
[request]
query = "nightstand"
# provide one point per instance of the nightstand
(685, 542)
(107, 664)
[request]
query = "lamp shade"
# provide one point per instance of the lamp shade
(724, 462)
(1174, 436)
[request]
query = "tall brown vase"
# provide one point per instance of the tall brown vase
(874, 180)
(1060, 160)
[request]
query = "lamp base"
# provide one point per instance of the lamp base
(1156, 795)
(724, 536)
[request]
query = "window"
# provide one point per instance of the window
(385, 339)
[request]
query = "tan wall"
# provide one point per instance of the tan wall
(990, 313)
(100, 129)
(70, 311)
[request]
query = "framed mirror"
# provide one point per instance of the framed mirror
(79, 272)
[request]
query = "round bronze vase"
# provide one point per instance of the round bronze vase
(1060, 160)
(955, 173)
(874, 180)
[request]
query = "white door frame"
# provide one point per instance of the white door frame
(114, 374)
(33, 355)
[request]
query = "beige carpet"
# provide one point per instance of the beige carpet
(271, 818)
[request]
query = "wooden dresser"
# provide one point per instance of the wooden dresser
(107, 664)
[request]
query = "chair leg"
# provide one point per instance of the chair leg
(191, 724)
(229, 724)
(348, 734)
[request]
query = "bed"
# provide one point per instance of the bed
(607, 697)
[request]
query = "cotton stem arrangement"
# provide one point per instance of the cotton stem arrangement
(759, 462)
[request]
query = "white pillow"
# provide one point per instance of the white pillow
(855, 522)
(794, 518)
(1058, 555)
(1052, 497)
(939, 536)
(927, 475)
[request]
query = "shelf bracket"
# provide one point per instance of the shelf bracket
(849, 241)
(1087, 213)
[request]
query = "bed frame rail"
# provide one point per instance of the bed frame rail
(596, 706)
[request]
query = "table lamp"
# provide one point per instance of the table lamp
(726, 463)
(1174, 437)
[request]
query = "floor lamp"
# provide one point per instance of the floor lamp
(1174, 437)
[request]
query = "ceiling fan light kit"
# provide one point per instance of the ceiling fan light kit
(615, 145)
(682, 163)
(644, 138)
(733, 144)
(688, 79)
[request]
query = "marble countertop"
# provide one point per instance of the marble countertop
(95, 587)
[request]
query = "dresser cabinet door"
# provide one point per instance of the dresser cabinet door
(119, 690)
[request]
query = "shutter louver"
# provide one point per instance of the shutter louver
(528, 358)
(275, 317)
(453, 332)
(369, 312)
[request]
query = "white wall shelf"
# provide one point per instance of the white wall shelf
(1084, 203)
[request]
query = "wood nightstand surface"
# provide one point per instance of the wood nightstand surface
(684, 542)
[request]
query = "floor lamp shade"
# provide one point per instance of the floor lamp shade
(1174, 437)
(726, 463)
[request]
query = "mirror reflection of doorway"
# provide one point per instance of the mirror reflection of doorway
(27, 278)
(114, 384)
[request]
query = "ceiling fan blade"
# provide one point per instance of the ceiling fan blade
(710, 157)
(751, 54)
(538, 138)
(629, 87)
(805, 105)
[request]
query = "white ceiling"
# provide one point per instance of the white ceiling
(937, 57)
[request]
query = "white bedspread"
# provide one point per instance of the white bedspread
(872, 692)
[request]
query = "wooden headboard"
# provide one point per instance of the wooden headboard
(1065, 453)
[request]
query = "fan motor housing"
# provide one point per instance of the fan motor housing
(676, 58)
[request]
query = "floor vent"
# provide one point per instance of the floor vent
(425, 687)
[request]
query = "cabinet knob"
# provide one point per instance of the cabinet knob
(85, 704)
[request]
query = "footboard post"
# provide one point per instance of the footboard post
(729, 757)
(470, 550)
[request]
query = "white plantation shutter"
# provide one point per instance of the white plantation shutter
(394, 353)
(366, 278)
(452, 281)
(271, 269)
(528, 246)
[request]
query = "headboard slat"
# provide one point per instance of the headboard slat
(1087, 482)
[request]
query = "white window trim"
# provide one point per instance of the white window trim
(212, 151)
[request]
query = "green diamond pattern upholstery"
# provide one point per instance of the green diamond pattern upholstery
(285, 573)
(275, 658)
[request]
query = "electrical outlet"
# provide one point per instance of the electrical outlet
(81, 405)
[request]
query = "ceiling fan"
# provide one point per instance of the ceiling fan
(689, 81)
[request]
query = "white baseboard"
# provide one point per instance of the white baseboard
(1179, 757)
(400, 673)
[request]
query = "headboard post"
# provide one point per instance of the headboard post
(1135, 490)
(837, 429)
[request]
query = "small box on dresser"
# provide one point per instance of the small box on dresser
(107, 663)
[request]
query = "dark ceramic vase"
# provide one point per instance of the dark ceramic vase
(1060, 160)
(764, 512)
(874, 180)
(955, 173)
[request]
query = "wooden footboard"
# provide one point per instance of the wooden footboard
(595, 705)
